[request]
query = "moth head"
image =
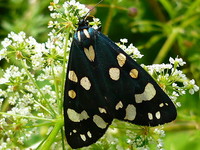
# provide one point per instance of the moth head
(83, 24)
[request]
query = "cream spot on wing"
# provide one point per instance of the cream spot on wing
(121, 58)
(133, 73)
(102, 110)
(74, 131)
(150, 116)
(147, 95)
(85, 83)
(77, 117)
(119, 105)
(130, 112)
(99, 122)
(114, 73)
(72, 94)
(161, 105)
(79, 35)
(85, 31)
(89, 134)
(158, 114)
(90, 53)
(83, 137)
(166, 104)
(72, 76)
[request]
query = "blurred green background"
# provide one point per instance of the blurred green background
(158, 28)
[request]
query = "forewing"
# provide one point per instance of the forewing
(85, 112)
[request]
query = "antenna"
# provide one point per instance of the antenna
(92, 9)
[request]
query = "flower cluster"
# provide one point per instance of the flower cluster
(171, 79)
(130, 50)
(32, 84)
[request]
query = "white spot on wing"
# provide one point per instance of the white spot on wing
(158, 114)
(114, 73)
(102, 110)
(72, 76)
(83, 137)
(77, 117)
(79, 35)
(99, 122)
(119, 105)
(130, 112)
(161, 105)
(90, 53)
(74, 131)
(150, 116)
(148, 94)
(89, 134)
(85, 31)
(121, 58)
(85, 83)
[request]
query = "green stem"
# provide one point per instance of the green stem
(38, 88)
(157, 10)
(109, 18)
(167, 45)
(51, 138)
(64, 69)
(56, 86)
(28, 117)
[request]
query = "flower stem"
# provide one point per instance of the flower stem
(109, 18)
(51, 138)
(64, 68)
(167, 45)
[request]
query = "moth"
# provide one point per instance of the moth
(104, 83)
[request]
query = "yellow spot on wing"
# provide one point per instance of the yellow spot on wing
(121, 58)
(72, 94)
(72, 76)
(130, 112)
(114, 73)
(133, 73)
(85, 83)
(90, 53)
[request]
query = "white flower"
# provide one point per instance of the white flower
(51, 8)
(192, 86)
(133, 51)
(50, 24)
(17, 37)
(31, 41)
(82, 9)
(3, 53)
(56, 1)
(55, 15)
(6, 42)
(124, 40)
(37, 61)
(177, 61)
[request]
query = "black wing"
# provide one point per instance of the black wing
(103, 83)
